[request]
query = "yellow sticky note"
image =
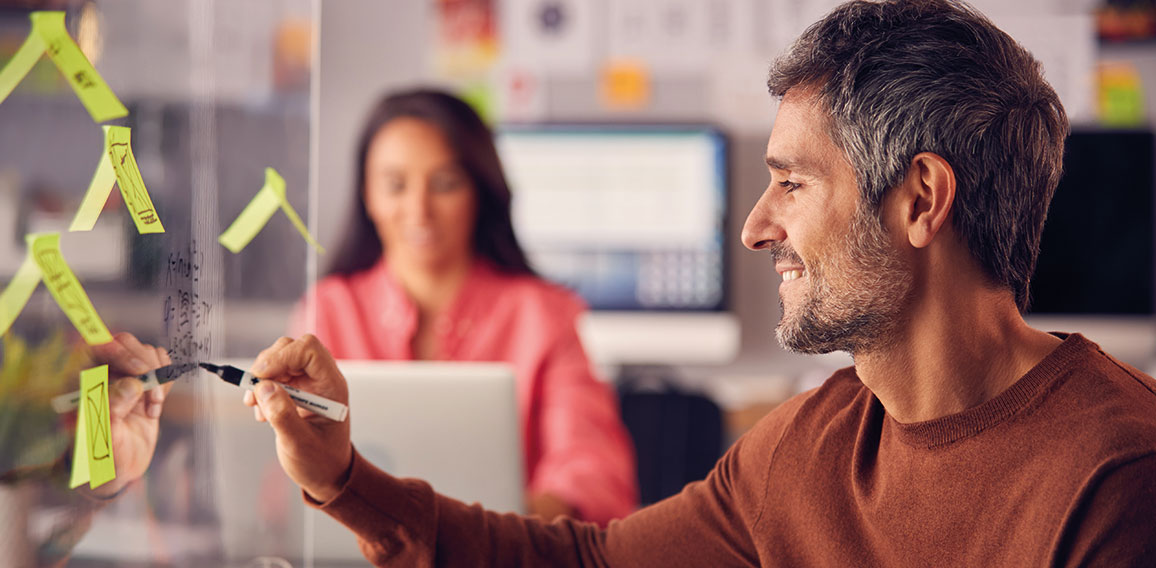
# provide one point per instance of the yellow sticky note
(93, 431)
(20, 64)
(16, 294)
(118, 165)
(257, 213)
(89, 86)
(65, 288)
(80, 471)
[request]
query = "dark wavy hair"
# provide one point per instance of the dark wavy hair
(473, 144)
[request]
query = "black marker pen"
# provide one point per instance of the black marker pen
(152, 379)
(318, 404)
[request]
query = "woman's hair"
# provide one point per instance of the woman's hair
(473, 145)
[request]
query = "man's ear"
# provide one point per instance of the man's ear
(926, 198)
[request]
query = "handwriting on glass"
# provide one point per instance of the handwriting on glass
(186, 314)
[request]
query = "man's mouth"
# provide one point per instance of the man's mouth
(789, 275)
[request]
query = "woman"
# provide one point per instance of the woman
(431, 269)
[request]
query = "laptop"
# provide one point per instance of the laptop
(454, 425)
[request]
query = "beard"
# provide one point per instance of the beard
(855, 297)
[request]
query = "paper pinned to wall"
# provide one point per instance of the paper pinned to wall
(550, 35)
(258, 212)
(466, 41)
(48, 35)
(44, 248)
(521, 94)
(670, 36)
(92, 457)
(1066, 47)
(738, 95)
(784, 20)
(118, 165)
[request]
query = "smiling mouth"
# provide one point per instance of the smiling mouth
(793, 275)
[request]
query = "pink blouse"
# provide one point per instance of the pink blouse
(576, 446)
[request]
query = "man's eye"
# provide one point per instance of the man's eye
(790, 185)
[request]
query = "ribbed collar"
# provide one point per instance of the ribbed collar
(1015, 398)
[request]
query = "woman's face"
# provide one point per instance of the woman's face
(422, 202)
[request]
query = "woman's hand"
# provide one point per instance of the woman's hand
(134, 414)
(313, 450)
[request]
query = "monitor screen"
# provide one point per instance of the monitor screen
(630, 217)
(1096, 252)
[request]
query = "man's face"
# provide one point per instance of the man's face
(844, 283)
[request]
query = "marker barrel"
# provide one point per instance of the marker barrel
(69, 401)
(330, 409)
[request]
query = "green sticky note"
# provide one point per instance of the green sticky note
(97, 425)
(258, 212)
(65, 288)
(117, 165)
(251, 220)
(17, 293)
(20, 64)
(90, 87)
(132, 187)
(97, 194)
(274, 180)
(80, 470)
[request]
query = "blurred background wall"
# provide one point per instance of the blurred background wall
(707, 62)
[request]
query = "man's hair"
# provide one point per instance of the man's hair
(900, 77)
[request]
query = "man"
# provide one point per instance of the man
(912, 160)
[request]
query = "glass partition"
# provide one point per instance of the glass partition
(213, 94)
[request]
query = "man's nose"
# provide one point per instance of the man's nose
(762, 227)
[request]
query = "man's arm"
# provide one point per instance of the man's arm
(405, 523)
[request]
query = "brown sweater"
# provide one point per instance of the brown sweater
(1058, 470)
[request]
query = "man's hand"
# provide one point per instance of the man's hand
(133, 413)
(313, 450)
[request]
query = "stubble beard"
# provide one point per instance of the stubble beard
(856, 296)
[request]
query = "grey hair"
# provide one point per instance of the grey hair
(900, 77)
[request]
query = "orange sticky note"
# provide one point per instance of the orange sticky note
(626, 85)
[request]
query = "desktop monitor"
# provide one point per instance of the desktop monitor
(1096, 267)
(632, 218)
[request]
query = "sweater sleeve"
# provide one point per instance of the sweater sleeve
(587, 458)
(1112, 525)
(403, 522)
